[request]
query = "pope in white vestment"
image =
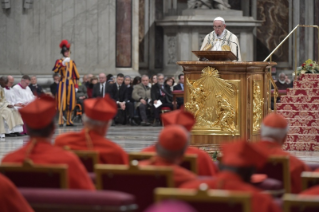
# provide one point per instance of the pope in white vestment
(220, 37)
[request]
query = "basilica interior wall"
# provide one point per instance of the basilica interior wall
(103, 36)
(122, 36)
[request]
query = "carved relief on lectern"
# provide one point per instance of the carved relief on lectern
(257, 106)
(214, 103)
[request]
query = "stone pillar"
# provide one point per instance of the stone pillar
(127, 36)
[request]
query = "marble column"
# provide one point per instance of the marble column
(123, 33)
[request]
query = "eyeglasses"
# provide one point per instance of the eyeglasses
(217, 27)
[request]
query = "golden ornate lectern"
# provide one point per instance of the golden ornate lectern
(228, 99)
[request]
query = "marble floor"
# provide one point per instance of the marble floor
(130, 138)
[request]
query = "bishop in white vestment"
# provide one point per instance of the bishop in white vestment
(220, 37)
(22, 92)
(10, 120)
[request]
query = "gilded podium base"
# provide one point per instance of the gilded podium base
(228, 99)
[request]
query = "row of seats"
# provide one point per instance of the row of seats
(134, 185)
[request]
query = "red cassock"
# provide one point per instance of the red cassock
(311, 191)
(296, 165)
(205, 164)
(10, 198)
(109, 152)
(180, 175)
(44, 153)
(231, 181)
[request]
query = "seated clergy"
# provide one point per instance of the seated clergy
(170, 148)
(98, 116)
(273, 133)
(206, 167)
(38, 117)
(22, 91)
(10, 198)
(13, 99)
(142, 94)
(238, 163)
(161, 92)
(10, 120)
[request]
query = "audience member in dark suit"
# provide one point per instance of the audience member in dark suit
(55, 84)
(180, 87)
(101, 88)
(161, 92)
(119, 93)
(36, 89)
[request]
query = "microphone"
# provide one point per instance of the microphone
(234, 43)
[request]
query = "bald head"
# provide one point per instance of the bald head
(145, 80)
(102, 78)
(10, 81)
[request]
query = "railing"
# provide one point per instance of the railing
(295, 58)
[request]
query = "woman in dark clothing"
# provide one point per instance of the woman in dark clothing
(93, 81)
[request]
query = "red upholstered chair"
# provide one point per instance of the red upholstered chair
(207, 201)
(313, 166)
(29, 175)
(138, 181)
(309, 179)
(277, 168)
(189, 161)
(51, 200)
(297, 203)
(88, 158)
(165, 109)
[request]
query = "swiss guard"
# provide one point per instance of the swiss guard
(65, 96)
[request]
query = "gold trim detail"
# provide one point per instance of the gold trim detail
(257, 106)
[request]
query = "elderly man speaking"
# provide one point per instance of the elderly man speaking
(221, 39)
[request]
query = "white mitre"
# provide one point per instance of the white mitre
(220, 19)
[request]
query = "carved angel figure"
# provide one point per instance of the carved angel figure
(257, 107)
(225, 115)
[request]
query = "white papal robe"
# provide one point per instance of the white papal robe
(23, 95)
(226, 38)
(11, 121)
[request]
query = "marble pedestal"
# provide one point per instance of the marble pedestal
(185, 33)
